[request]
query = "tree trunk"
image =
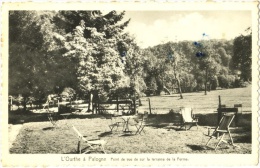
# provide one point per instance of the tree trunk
(210, 84)
(24, 103)
(90, 103)
(178, 81)
(206, 79)
(179, 87)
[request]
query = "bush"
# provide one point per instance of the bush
(226, 81)
(240, 83)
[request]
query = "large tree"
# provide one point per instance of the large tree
(36, 65)
(242, 58)
(94, 44)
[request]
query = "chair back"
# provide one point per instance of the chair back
(225, 121)
(145, 116)
(80, 136)
(186, 114)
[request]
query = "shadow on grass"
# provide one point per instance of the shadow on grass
(105, 134)
(209, 119)
(243, 139)
(48, 128)
(127, 135)
(199, 147)
(20, 117)
(172, 95)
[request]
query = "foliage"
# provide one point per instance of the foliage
(96, 48)
(87, 51)
(242, 58)
(68, 93)
(191, 69)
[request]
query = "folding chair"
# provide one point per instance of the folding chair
(141, 123)
(187, 118)
(114, 122)
(222, 129)
(90, 143)
(53, 118)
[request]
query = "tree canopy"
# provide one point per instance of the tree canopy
(86, 51)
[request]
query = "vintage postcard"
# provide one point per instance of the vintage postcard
(129, 84)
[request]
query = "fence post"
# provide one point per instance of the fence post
(117, 109)
(219, 108)
(219, 101)
(150, 106)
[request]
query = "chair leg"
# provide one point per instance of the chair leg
(208, 141)
(137, 130)
(232, 143)
(111, 128)
(124, 125)
(103, 149)
(79, 147)
(141, 130)
(117, 125)
(190, 126)
(220, 140)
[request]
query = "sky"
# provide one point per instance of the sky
(151, 28)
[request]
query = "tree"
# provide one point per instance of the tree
(94, 45)
(28, 60)
(206, 61)
(242, 58)
(174, 58)
(36, 65)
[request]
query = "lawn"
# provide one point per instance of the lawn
(40, 137)
(199, 102)
(37, 134)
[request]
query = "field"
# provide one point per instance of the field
(199, 102)
(37, 135)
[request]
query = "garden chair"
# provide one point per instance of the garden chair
(222, 129)
(115, 122)
(141, 123)
(53, 118)
(90, 143)
(187, 118)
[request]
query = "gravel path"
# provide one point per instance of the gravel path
(13, 132)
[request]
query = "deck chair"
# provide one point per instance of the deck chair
(141, 123)
(222, 129)
(53, 118)
(90, 143)
(187, 118)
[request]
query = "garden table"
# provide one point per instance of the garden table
(126, 121)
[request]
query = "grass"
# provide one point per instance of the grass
(199, 102)
(41, 138)
(37, 136)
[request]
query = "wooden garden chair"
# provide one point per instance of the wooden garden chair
(89, 143)
(222, 129)
(187, 118)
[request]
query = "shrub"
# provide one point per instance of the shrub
(226, 81)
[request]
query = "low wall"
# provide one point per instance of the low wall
(211, 119)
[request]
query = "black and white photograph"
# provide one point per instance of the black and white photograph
(129, 81)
